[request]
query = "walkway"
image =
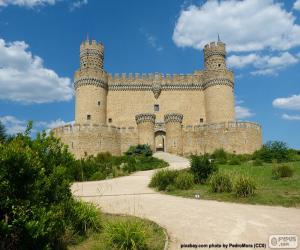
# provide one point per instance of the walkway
(189, 220)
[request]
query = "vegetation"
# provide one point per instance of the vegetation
(244, 186)
(139, 150)
(281, 171)
(162, 179)
(202, 167)
(2, 133)
(184, 181)
(220, 182)
(254, 179)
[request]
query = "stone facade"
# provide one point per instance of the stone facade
(177, 113)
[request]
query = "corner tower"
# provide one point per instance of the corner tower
(90, 83)
(218, 85)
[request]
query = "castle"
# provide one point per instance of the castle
(179, 114)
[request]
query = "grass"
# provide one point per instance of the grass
(283, 192)
(155, 239)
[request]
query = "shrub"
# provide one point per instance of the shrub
(184, 180)
(273, 150)
(257, 162)
(139, 150)
(202, 167)
(244, 186)
(220, 156)
(220, 182)
(2, 133)
(234, 161)
(163, 178)
(126, 235)
(281, 171)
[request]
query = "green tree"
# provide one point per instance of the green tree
(2, 133)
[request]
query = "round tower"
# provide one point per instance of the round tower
(90, 83)
(145, 124)
(173, 126)
(218, 85)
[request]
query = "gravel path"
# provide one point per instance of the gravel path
(189, 220)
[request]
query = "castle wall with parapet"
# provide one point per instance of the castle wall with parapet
(91, 139)
(233, 137)
(133, 94)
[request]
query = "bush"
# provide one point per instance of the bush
(244, 186)
(220, 182)
(234, 161)
(184, 180)
(257, 162)
(126, 235)
(163, 178)
(281, 171)
(139, 150)
(202, 167)
(220, 156)
(273, 150)
(2, 133)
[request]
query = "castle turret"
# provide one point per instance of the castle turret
(145, 124)
(218, 85)
(90, 83)
(173, 123)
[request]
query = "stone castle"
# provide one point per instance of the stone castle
(180, 114)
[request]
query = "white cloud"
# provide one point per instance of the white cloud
(291, 117)
(78, 4)
(249, 25)
(27, 3)
(152, 40)
(291, 103)
(297, 5)
(23, 78)
(242, 112)
(14, 125)
(265, 65)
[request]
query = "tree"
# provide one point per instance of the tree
(2, 132)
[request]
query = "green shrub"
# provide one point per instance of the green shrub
(234, 161)
(257, 162)
(139, 150)
(220, 182)
(84, 216)
(281, 171)
(163, 178)
(2, 133)
(126, 235)
(244, 186)
(184, 180)
(273, 150)
(202, 167)
(220, 156)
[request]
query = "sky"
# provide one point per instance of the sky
(40, 39)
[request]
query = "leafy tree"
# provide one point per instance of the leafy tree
(202, 167)
(2, 133)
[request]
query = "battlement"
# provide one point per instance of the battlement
(215, 45)
(87, 44)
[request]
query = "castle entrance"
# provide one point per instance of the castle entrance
(160, 138)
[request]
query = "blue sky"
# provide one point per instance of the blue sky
(39, 52)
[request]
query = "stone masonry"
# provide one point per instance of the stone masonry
(180, 114)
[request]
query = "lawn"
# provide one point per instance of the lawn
(283, 192)
(155, 236)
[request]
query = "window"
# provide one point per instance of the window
(109, 120)
(201, 120)
(156, 107)
(88, 117)
(99, 103)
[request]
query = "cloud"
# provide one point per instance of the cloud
(242, 112)
(14, 125)
(290, 103)
(291, 117)
(152, 40)
(23, 78)
(265, 65)
(297, 5)
(249, 25)
(27, 3)
(78, 4)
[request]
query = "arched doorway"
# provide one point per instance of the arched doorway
(160, 138)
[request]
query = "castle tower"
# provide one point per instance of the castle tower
(173, 126)
(90, 83)
(145, 124)
(218, 85)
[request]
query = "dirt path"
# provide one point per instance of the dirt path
(189, 220)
